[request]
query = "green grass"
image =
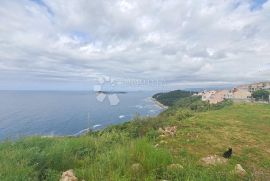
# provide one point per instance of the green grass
(110, 154)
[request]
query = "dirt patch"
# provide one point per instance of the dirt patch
(213, 160)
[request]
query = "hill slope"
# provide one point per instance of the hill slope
(136, 151)
(170, 98)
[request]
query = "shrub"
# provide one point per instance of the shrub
(261, 95)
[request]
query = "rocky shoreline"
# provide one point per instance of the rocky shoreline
(159, 104)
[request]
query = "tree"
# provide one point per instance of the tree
(261, 95)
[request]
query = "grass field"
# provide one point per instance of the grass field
(135, 150)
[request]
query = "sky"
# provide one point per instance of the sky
(76, 44)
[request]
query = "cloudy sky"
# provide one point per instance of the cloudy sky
(69, 44)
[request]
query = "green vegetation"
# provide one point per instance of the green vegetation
(261, 95)
(169, 98)
(195, 103)
(136, 150)
(186, 100)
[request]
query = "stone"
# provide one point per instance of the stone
(213, 160)
(136, 167)
(168, 131)
(171, 130)
(238, 169)
(68, 176)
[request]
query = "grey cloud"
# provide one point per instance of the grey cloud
(178, 41)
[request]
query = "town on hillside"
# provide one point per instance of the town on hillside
(242, 93)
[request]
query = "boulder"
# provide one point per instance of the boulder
(171, 130)
(213, 160)
(68, 176)
(168, 131)
(238, 169)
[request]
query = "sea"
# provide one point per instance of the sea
(68, 113)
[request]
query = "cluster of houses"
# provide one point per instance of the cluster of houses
(241, 93)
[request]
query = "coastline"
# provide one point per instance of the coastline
(159, 103)
(87, 130)
(153, 102)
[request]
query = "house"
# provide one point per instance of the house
(214, 97)
(219, 96)
(243, 87)
(240, 94)
(256, 86)
(206, 95)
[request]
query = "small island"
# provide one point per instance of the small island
(111, 92)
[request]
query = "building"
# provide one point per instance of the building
(214, 97)
(207, 94)
(240, 94)
(266, 88)
(219, 96)
(256, 86)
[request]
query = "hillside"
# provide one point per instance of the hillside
(170, 98)
(138, 151)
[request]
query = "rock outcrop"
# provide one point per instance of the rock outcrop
(68, 176)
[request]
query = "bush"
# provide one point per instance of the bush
(183, 114)
(195, 103)
(262, 95)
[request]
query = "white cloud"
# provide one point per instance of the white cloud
(183, 42)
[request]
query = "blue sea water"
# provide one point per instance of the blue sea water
(50, 113)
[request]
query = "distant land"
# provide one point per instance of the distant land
(111, 92)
